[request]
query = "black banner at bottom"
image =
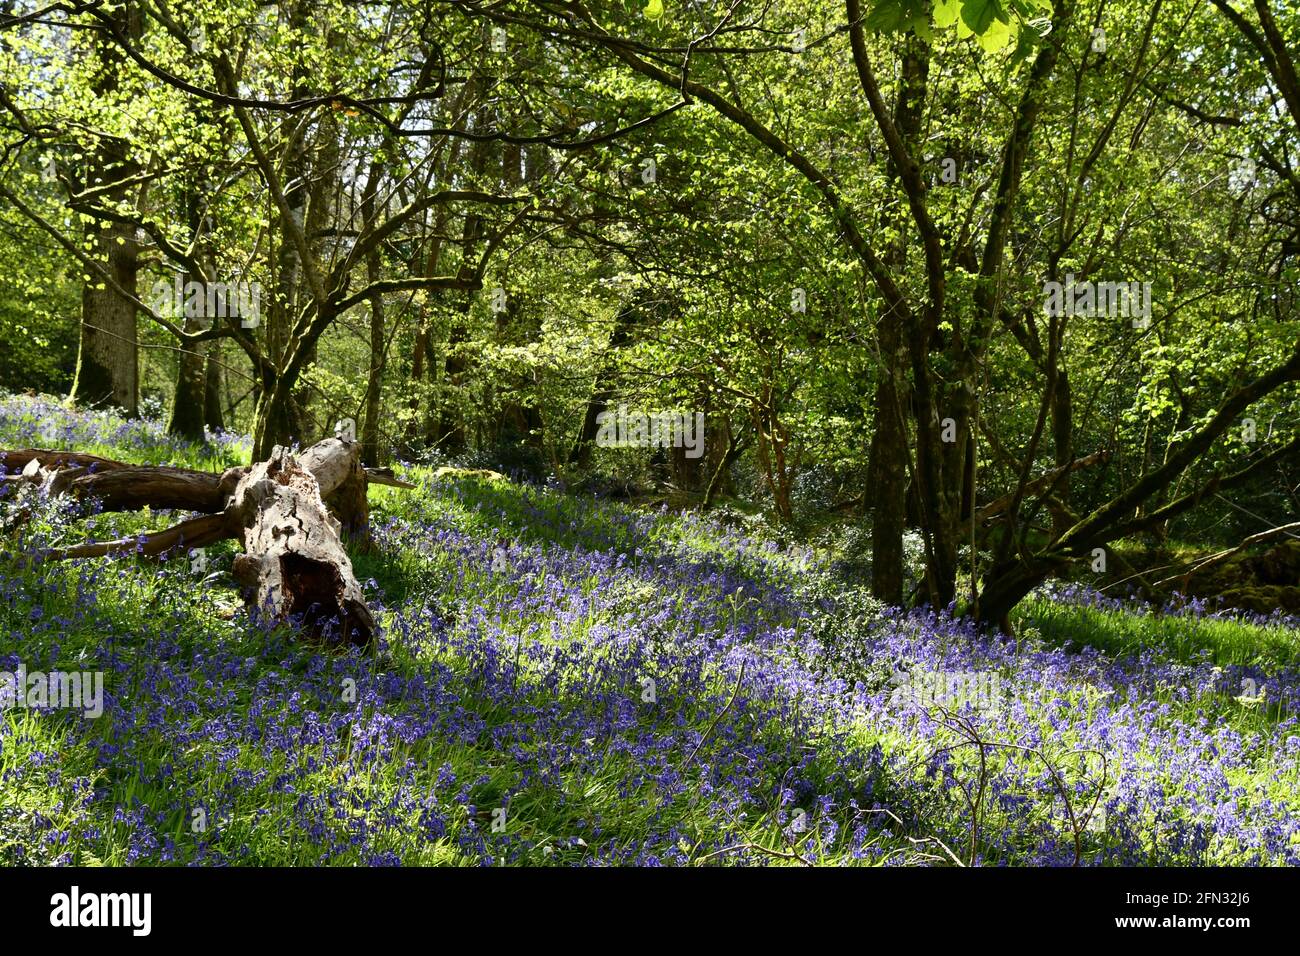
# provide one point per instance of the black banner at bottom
(266, 906)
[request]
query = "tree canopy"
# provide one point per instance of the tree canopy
(1016, 280)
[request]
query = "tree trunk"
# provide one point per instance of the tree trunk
(107, 359)
(887, 486)
(370, 445)
(887, 474)
(293, 564)
(107, 362)
(1063, 440)
(1006, 586)
(624, 320)
(451, 423)
(212, 413)
(370, 450)
(722, 455)
(191, 390)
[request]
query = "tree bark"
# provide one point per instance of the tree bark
(107, 359)
(887, 485)
(213, 416)
(290, 511)
(370, 446)
(293, 562)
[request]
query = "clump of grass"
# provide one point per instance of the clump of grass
(1182, 634)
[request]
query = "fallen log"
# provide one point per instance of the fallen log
(17, 459)
(290, 512)
(293, 558)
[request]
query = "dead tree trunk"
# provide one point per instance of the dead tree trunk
(293, 560)
(294, 566)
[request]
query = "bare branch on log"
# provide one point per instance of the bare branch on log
(1220, 556)
(290, 512)
(194, 533)
(385, 476)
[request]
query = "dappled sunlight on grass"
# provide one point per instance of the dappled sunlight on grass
(572, 681)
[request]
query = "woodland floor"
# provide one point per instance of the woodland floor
(573, 681)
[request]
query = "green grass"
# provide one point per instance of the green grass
(1181, 638)
(515, 736)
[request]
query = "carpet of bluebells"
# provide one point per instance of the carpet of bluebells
(569, 681)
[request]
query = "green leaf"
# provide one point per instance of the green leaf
(996, 37)
(887, 15)
(980, 14)
(946, 12)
